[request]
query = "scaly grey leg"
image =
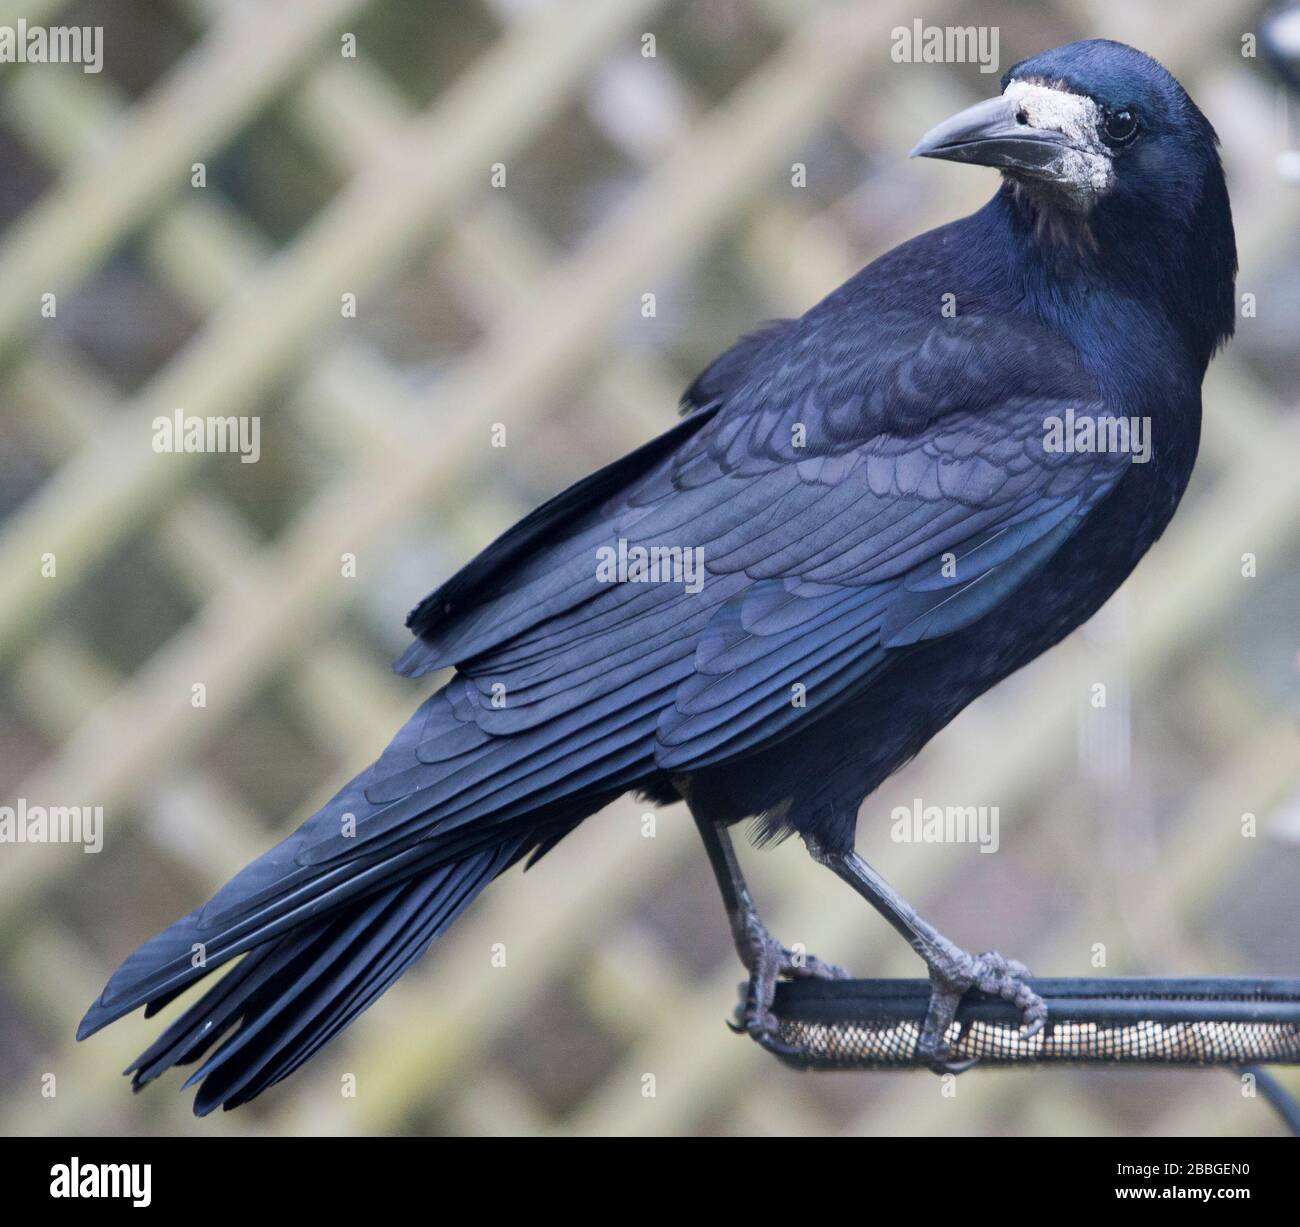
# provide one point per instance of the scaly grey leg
(765, 958)
(952, 970)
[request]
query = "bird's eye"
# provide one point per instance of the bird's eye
(1120, 126)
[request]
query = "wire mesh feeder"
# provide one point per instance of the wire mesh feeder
(874, 1024)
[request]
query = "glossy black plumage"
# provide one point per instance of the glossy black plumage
(828, 469)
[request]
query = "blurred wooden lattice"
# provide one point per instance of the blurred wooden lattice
(626, 175)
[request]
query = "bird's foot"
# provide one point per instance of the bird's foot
(767, 960)
(951, 976)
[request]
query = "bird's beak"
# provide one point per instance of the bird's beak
(991, 134)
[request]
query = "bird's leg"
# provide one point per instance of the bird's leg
(952, 969)
(764, 957)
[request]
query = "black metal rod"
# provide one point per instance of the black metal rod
(1117, 1000)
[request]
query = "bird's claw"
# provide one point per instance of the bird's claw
(1006, 978)
(958, 972)
(767, 961)
(761, 1027)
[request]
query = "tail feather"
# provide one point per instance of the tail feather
(162, 968)
(292, 995)
(322, 923)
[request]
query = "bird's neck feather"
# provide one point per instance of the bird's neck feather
(1141, 303)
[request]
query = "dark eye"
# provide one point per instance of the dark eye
(1120, 126)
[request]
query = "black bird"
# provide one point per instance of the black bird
(867, 517)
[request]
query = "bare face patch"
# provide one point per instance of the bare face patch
(1084, 169)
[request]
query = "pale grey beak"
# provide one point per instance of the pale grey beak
(992, 133)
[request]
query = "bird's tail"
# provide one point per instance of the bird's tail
(328, 918)
(296, 991)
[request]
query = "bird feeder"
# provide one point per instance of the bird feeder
(874, 1024)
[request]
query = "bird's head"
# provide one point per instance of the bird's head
(1106, 157)
(1091, 125)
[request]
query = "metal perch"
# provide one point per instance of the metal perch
(874, 1024)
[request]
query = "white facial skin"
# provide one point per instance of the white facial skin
(1084, 171)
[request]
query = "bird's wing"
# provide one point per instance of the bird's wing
(847, 498)
(843, 498)
(845, 460)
